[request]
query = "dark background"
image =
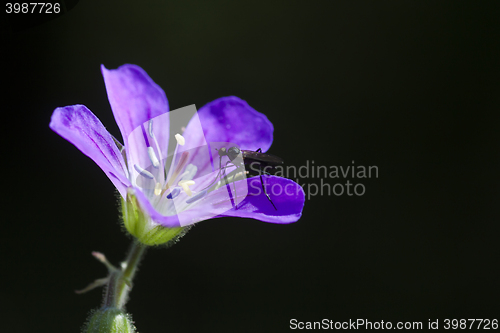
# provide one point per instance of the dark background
(409, 86)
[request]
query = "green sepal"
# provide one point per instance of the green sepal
(139, 224)
(109, 320)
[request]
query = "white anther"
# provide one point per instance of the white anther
(153, 158)
(180, 139)
(186, 189)
(185, 186)
(187, 182)
(150, 128)
(157, 189)
(143, 172)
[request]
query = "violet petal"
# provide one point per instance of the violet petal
(78, 125)
(287, 196)
(231, 119)
(135, 99)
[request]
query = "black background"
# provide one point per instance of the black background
(409, 86)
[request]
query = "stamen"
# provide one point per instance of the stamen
(190, 172)
(150, 128)
(157, 189)
(185, 186)
(187, 182)
(183, 176)
(160, 163)
(180, 166)
(174, 193)
(197, 197)
(187, 190)
(180, 139)
(182, 162)
(153, 158)
(143, 172)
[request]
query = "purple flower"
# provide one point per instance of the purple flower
(141, 110)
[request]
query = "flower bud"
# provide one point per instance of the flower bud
(109, 320)
(139, 224)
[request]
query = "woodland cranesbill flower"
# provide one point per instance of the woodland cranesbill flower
(163, 187)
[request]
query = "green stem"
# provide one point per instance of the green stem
(120, 280)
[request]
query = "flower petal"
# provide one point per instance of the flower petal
(231, 119)
(147, 147)
(166, 221)
(287, 196)
(179, 211)
(78, 125)
(134, 98)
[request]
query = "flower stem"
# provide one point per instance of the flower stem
(120, 280)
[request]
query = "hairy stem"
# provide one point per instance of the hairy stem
(120, 280)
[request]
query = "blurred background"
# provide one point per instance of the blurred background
(409, 86)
